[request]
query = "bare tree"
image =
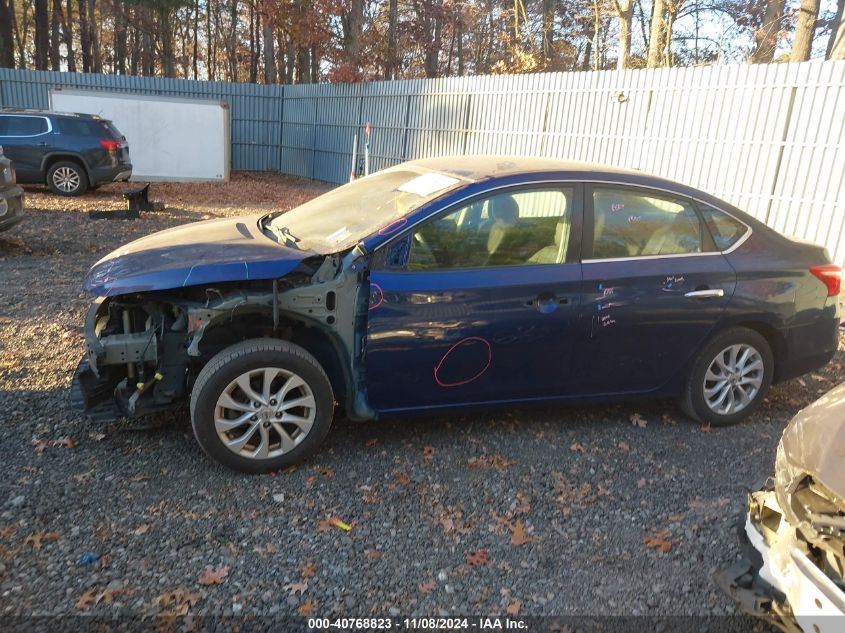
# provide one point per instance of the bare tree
(7, 46)
(42, 34)
(805, 28)
(656, 38)
(766, 38)
(625, 12)
(391, 67)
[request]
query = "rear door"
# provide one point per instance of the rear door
(479, 304)
(654, 288)
(26, 140)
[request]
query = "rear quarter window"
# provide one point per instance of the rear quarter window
(82, 127)
(726, 230)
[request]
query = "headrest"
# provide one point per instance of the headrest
(504, 209)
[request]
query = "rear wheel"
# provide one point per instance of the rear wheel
(261, 405)
(729, 378)
(67, 178)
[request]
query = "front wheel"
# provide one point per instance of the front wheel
(729, 378)
(261, 405)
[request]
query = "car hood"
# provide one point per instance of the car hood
(814, 441)
(210, 252)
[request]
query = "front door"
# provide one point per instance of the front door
(654, 289)
(479, 304)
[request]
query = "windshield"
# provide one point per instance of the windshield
(344, 216)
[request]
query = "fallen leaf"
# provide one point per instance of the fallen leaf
(8, 531)
(335, 521)
(577, 448)
(623, 446)
(638, 420)
(142, 529)
(641, 483)
(97, 437)
(402, 479)
(40, 445)
(478, 557)
(660, 541)
(325, 472)
(88, 599)
(296, 587)
(498, 462)
(139, 478)
(67, 442)
(213, 576)
(513, 607)
(427, 586)
(308, 570)
(374, 554)
(324, 526)
(706, 428)
(518, 536)
(428, 453)
(37, 538)
(270, 548)
(371, 442)
(305, 608)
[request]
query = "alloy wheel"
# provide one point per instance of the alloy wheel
(733, 379)
(66, 179)
(264, 413)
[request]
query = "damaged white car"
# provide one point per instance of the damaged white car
(794, 531)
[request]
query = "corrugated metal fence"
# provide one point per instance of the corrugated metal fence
(770, 139)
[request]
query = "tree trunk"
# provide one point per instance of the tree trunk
(625, 11)
(145, 24)
(656, 42)
(837, 33)
(84, 36)
(120, 35)
(269, 52)
(166, 34)
(353, 28)
(56, 36)
(67, 36)
(290, 48)
(390, 70)
(805, 28)
(232, 44)
(767, 37)
(42, 35)
(548, 26)
(460, 28)
(7, 47)
(315, 65)
(96, 58)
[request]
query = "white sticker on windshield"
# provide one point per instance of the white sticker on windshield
(338, 235)
(427, 184)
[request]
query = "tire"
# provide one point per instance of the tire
(750, 378)
(67, 178)
(218, 420)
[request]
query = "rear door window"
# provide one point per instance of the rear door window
(632, 223)
(726, 230)
(22, 125)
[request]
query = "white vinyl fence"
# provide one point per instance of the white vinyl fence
(768, 138)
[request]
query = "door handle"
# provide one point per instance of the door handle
(705, 293)
(546, 302)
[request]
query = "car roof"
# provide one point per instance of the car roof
(50, 113)
(495, 166)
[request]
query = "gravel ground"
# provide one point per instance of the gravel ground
(534, 512)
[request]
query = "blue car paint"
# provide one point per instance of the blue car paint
(210, 252)
(591, 330)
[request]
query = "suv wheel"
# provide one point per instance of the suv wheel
(261, 405)
(67, 178)
(729, 378)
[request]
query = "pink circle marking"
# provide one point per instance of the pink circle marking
(393, 226)
(451, 349)
(375, 286)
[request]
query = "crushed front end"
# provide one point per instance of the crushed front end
(793, 570)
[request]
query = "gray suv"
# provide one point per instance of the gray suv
(69, 152)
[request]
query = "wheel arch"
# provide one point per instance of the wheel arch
(260, 324)
(54, 157)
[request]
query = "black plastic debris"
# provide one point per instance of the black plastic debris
(137, 200)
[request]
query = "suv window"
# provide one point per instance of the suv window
(508, 229)
(725, 229)
(22, 125)
(634, 224)
(81, 127)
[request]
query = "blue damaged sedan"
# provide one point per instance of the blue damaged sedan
(449, 284)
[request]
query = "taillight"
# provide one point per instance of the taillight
(110, 144)
(830, 276)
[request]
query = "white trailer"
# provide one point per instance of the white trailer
(169, 138)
